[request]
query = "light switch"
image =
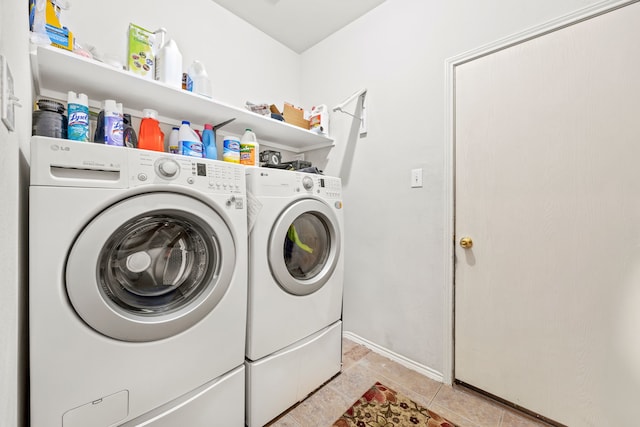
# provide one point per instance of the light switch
(8, 100)
(416, 178)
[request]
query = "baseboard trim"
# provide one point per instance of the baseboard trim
(402, 360)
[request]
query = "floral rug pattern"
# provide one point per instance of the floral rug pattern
(380, 406)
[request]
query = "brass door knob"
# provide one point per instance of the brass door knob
(466, 242)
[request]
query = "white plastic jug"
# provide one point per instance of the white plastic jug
(319, 120)
(189, 141)
(198, 81)
(168, 62)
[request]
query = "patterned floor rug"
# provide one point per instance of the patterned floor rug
(381, 406)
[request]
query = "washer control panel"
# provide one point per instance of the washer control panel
(215, 176)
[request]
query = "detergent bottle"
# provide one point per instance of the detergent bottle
(150, 135)
(174, 145)
(189, 140)
(113, 123)
(249, 148)
(319, 120)
(209, 142)
(129, 136)
(168, 61)
(198, 79)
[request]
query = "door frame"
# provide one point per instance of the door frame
(599, 8)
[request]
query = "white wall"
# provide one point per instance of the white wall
(13, 221)
(242, 62)
(395, 257)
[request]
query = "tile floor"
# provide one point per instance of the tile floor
(363, 367)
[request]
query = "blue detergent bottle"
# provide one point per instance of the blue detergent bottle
(209, 142)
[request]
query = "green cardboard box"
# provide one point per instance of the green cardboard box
(141, 59)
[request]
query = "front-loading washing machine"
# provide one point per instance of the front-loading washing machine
(296, 268)
(137, 288)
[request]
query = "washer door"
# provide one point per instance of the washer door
(304, 247)
(150, 266)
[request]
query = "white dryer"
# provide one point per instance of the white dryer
(296, 268)
(137, 288)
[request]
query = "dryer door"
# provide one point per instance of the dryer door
(304, 247)
(150, 266)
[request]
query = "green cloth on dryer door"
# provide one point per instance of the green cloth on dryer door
(292, 234)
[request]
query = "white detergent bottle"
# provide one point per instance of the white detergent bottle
(198, 81)
(168, 61)
(249, 148)
(174, 138)
(189, 140)
(319, 120)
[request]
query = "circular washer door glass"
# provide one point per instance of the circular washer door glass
(157, 263)
(150, 266)
(306, 246)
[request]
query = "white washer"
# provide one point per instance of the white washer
(137, 289)
(296, 268)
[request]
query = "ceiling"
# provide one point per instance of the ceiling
(299, 24)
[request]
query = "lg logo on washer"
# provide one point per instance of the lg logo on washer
(56, 147)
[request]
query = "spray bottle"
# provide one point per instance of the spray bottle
(78, 110)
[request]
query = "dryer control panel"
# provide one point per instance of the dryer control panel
(328, 187)
(269, 182)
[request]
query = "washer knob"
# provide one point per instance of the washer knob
(168, 168)
(307, 183)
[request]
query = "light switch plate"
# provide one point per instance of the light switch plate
(7, 101)
(416, 178)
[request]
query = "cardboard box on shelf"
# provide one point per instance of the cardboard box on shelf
(140, 59)
(295, 116)
(58, 35)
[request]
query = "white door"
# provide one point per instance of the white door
(547, 139)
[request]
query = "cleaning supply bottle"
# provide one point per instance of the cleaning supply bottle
(319, 120)
(209, 142)
(151, 136)
(249, 148)
(189, 140)
(113, 123)
(78, 111)
(98, 135)
(198, 79)
(168, 61)
(231, 149)
(174, 146)
(129, 136)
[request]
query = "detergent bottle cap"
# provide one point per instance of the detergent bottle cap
(148, 112)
